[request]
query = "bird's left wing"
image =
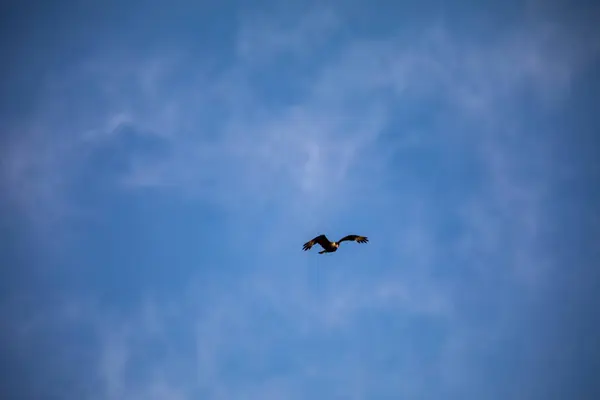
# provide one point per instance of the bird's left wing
(321, 239)
(355, 238)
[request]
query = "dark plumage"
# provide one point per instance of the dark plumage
(330, 247)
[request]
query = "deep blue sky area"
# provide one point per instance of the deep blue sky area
(162, 164)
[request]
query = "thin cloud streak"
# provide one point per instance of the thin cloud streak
(290, 149)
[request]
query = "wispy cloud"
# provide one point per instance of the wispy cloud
(264, 39)
(252, 147)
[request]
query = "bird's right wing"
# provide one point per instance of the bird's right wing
(321, 239)
(356, 238)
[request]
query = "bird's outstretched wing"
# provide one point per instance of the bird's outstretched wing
(321, 239)
(356, 238)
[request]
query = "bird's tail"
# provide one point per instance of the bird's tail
(321, 252)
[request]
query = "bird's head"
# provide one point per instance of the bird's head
(335, 244)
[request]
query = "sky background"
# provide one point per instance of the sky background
(162, 163)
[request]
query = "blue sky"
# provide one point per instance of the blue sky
(163, 163)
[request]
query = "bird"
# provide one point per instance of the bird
(331, 247)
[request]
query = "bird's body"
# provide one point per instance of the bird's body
(331, 247)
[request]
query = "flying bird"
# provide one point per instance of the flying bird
(330, 247)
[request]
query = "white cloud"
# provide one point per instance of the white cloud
(241, 324)
(262, 37)
(113, 364)
(252, 149)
